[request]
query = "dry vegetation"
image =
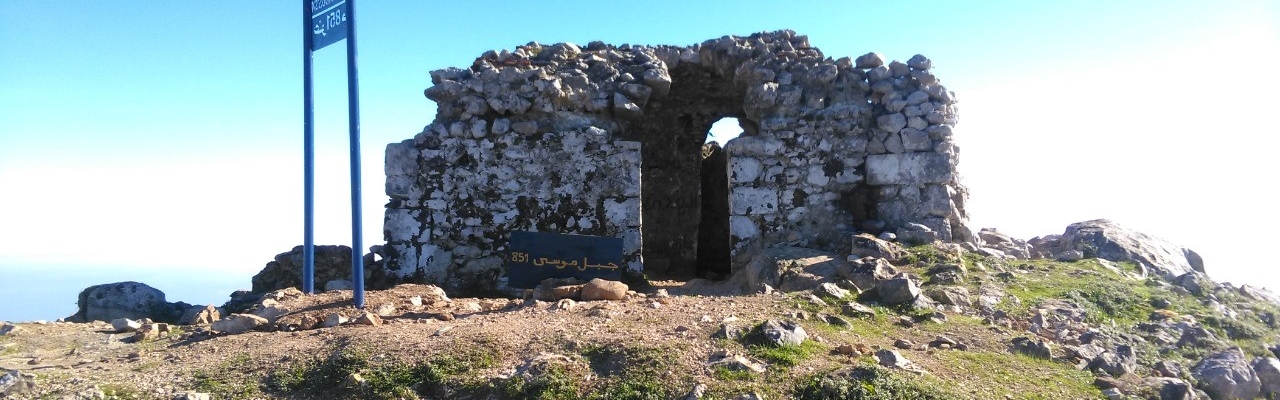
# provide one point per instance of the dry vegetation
(643, 347)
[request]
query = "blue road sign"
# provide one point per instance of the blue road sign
(329, 22)
(537, 256)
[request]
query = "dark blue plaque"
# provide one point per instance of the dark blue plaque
(535, 256)
(328, 22)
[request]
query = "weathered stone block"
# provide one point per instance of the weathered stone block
(753, 201)
(908, 169)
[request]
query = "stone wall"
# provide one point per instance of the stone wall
(456, 198)
(608, 140)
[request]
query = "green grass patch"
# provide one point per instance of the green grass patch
(223, 385)
(759, 346)
(9, 348)
(113, 391)
(554, 383)
(871, 382)
(1113, 296)
(726, 374)
(228, 380)
(630, 372)
(382, 379)
(992, 375)
(786, 355)
(925, 253)
(1104, 294)
(803, 304)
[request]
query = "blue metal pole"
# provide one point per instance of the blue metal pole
(308, 159)
(353, 109)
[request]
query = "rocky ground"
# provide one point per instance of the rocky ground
(935, 321)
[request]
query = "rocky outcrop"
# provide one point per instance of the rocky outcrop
(1268, 370)
(1107, 240)
(1227, 376)
(789, 269)
(124, 300)
(238, 323)
(332, 263)
(866, 245)
(995, 243)
(200, 315)
(14, 382)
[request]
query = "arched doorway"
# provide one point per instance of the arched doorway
(713, 261)
(684, 185)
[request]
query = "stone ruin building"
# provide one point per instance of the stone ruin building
(608, 141)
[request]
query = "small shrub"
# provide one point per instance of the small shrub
(383, 380)
(785, 355)
(554, 383)
(761, 347)
(1242, 328)
(924, 253)
(319, 375)
(118, 392)
(868, 382)
(647, 388)
(630, 373)
(726, 374)
(225, 385)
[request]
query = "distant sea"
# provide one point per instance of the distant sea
(50, 292)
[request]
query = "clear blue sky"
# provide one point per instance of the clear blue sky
(161, 141)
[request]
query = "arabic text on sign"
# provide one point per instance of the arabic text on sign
(324, 6)
(521, 257)
(328, 20)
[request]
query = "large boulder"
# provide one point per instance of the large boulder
(994, 239)
(783, 333)
(200, 315)
(866, 245)
(897, 291)
(1170, 388)
(1105, 239)
(238, 323)
(1268, 370)
(131, 300)
(603, 289)
(14, 382)
(1227, 375)
(951, 295)
(866, 271)
(790, 269)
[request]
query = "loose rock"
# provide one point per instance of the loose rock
(238, 323)
(782, 333)
(896, 291)
(600, 289)
(367, 318)
(333, 319)
(891, 358)
(125, 325)
(15, 382)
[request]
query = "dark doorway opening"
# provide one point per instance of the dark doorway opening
(713, 224)
(684, 194)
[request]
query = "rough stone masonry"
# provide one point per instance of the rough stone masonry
(608, 140)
